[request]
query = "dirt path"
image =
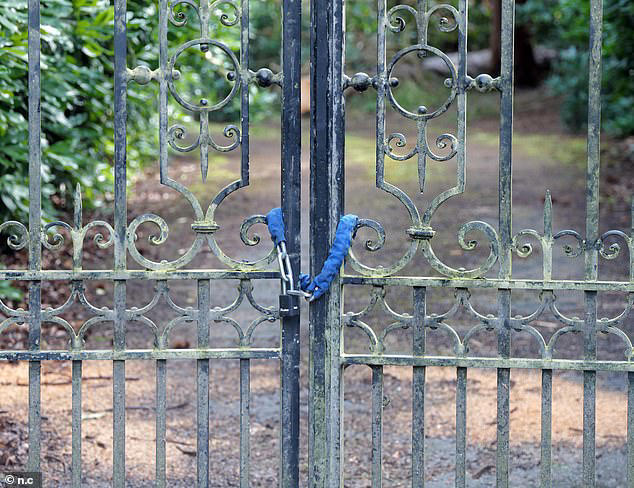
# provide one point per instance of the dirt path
(549, 161)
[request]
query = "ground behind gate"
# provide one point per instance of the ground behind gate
(545, 158)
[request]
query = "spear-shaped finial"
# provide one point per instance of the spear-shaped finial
(77, 214)
(548, 215)
(547, 240)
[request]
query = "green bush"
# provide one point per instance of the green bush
(77, 102)
(78, 99)
(564, 26)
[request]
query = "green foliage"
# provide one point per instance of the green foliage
(78, 96)
(564, 25)
(77, 102)
(361, 28)
(9, 292)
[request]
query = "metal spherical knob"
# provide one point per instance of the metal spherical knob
(483, 82)
(360, 81)
(264, 77)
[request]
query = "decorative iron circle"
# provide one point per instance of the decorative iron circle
(423, 114)
(203, 107)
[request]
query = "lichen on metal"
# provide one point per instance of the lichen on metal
(121, 234)
(328, 318)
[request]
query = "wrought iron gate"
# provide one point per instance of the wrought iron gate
(329, 318)
(328, 356)
(122, 236)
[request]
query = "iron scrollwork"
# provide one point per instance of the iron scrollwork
(483, 322)
(421, 231)
(204, 223)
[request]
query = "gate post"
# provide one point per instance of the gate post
(291, 207)
(326, 205)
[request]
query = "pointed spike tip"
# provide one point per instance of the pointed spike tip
(632, 211)
(78, 206)
(548, 215)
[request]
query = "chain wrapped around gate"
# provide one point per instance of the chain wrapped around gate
(309, 288)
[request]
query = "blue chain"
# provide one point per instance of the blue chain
(314, 288)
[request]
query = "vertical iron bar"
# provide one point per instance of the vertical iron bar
(506, 233)
(546, 428)
(461, 427)
(120, 119)
(244, 92)
(630, 379)
(35, 413)
(245, 365)
(163, 94)
(594, 135)
(120, 226)
(161, 365)
(35, 222)
(381, 74)
(377, 426)
(377, 371)
(461, 97)
(326, 205)
(35, 127)
(630, 428)
(118, 390)
(461, 373)
(204, 22)
(76, 422)
(161, 421)
(506, 137)
(202, 388)
(418, 390)
(245, 421)
(589, 390)
(592, 236)
(291, 208)
(421, 10)
(503, 390)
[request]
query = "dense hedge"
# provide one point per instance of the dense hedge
(77, 101)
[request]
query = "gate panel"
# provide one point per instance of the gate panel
(329, 317)
(131, 264)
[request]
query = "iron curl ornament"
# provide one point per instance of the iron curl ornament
(420, 232)
(234, 69)
(462, 303)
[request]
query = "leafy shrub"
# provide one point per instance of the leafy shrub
(78, 99)
(77, 102)
(564, 25)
